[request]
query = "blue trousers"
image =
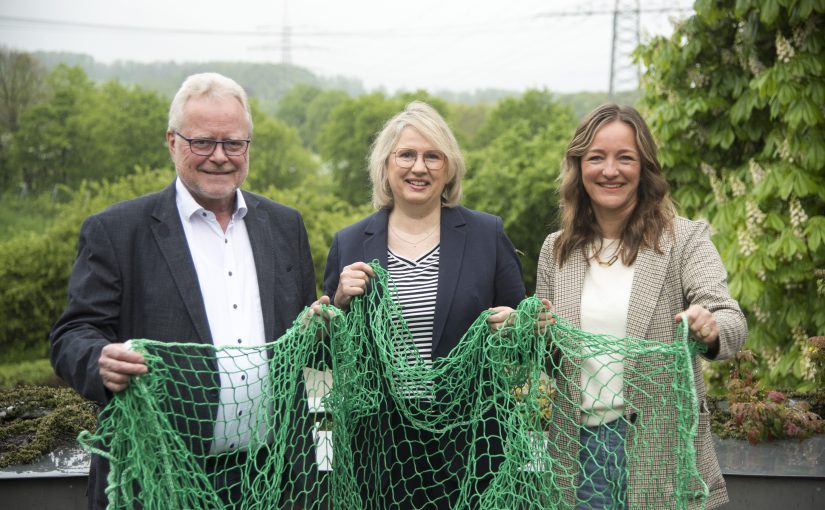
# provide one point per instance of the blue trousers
(603, 479)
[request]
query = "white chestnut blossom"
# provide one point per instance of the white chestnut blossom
(784, 50)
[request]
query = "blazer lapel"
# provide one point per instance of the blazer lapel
(648, 279)
(264, 254)
(451, 256)
(171, 240)
(568, 289)
(375, 238)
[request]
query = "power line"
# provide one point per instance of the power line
(624, 73)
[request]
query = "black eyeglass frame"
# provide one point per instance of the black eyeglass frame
(215, 145)
(422, 154)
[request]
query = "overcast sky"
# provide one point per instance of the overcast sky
(459, 45)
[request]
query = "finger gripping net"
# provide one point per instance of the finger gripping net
(345, 413)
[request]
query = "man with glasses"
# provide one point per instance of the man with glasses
(200, 261)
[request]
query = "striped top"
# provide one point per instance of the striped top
(416, 283)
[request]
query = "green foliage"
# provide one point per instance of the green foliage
(21, 84)
(276, 156)
(535, 107)
(583, 103)
(467, 121)
(514, 175)
(267, 82)
(307, 108)
(736, 98)
(345, 142)
(31, 213)
(35, 266)
(85, 132)
(37, 372)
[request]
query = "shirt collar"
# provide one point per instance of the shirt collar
(188, 206)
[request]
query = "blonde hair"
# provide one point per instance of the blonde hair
(654, 212)
(427, 121)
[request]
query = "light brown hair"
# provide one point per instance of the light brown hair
(654, 212)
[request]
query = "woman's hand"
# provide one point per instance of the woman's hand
(702, 325)
(501, 317)
(353, 282)
(545, 318)
(315, 309)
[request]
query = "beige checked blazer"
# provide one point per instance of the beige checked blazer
(688, 271)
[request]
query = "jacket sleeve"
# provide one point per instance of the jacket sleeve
(308, 289)
(332, 272)
(91, 317)
(545, 276)
(509, 285)
(704, 283)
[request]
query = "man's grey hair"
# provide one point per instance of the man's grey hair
(212, 85)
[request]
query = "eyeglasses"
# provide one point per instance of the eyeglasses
(206, 146)
(433, 160)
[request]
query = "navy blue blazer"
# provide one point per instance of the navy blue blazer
(478, 267)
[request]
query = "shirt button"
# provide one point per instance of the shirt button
(230, 273)
(225, 241)
(204, 214)
(234, 306)
(240, 413)
(243, 378)
(231, 445)
(239, 340)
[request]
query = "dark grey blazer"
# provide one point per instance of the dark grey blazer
(134, 278)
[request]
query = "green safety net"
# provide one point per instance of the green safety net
(344, 414)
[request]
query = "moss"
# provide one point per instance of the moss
(35, 420)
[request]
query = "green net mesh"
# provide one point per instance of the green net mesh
(360, 421)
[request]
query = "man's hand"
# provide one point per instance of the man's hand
(117, 364)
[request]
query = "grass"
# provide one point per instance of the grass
(27, 373)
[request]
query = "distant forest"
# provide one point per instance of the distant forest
(268, 83)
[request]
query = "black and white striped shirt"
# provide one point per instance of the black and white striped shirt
(416, 283)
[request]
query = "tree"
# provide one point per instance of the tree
(346, 139)
(82, 131)
(536, 107)
(736, 98)
(21, 85)
(52, 143)
(514, 175)
(307, 108)
(128, 126)
(277, 157)
(317, 114)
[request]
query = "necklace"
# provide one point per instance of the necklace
(416, 243)
(613, 258)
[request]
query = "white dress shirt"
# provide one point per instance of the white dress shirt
(229, 286)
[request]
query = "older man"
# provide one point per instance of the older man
(200, 261)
